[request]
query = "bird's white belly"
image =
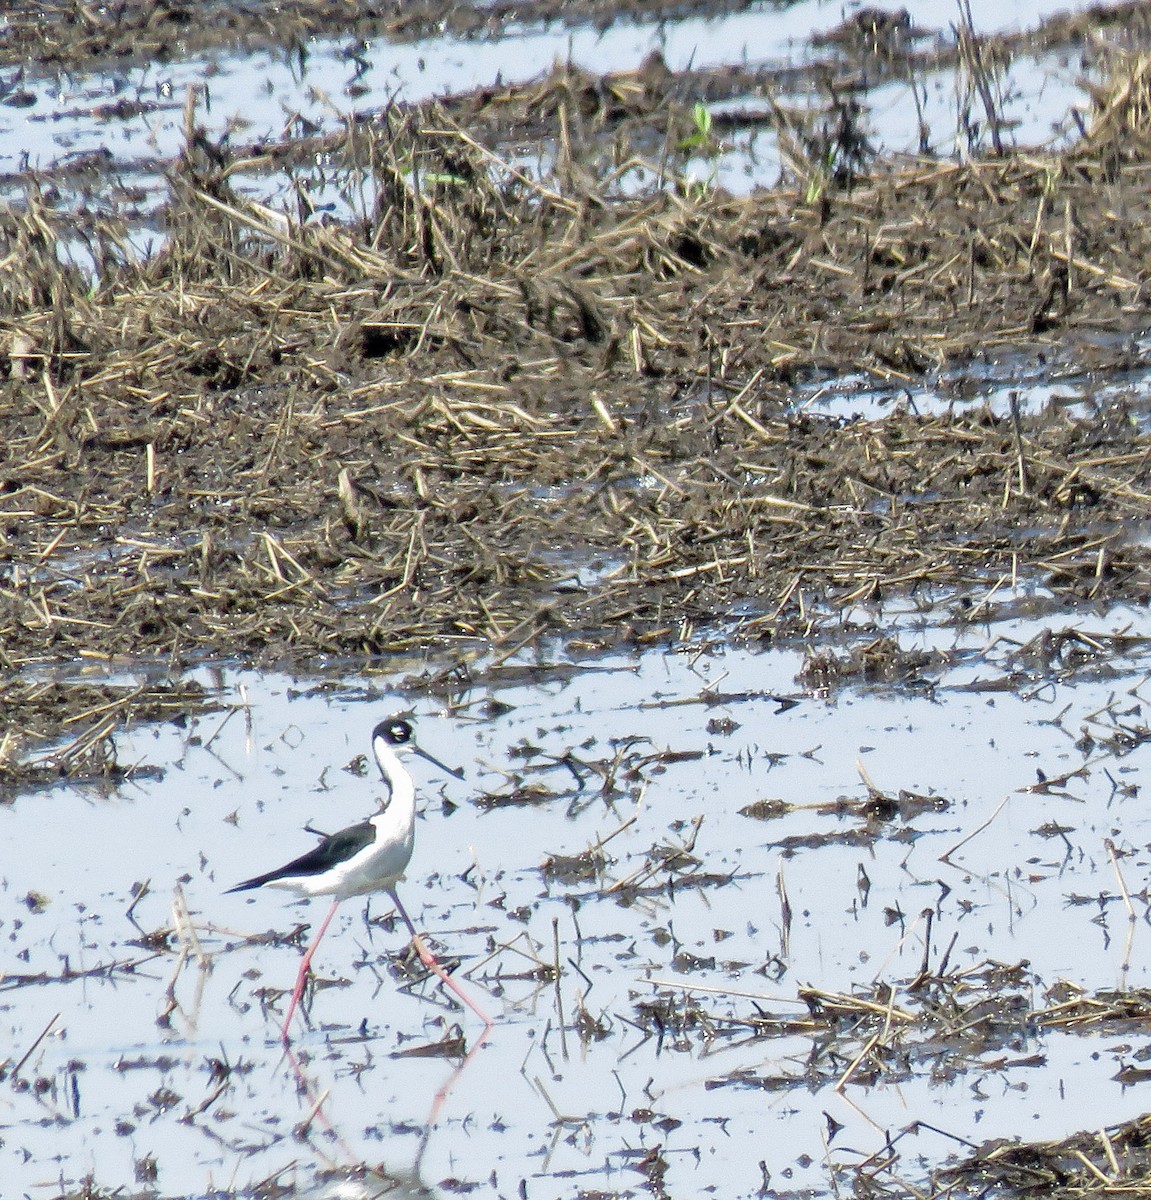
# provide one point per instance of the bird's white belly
(372, 869)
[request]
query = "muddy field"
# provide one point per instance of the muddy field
(537, 392)
(498, 407)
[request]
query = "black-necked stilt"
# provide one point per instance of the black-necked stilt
(369, 857)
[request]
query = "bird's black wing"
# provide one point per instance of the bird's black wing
(329, 853)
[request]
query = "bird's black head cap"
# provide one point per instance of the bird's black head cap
(395, 731)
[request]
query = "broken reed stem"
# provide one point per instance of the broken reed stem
(946, 855)
(32, 1049)
(785, 914)
(557, 970)
(1113, 856)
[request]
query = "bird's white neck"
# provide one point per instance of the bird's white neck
(400, 804)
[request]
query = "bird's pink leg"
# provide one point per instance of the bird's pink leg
(305, 967)
(430, 961)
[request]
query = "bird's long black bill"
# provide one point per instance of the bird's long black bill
(456, 772)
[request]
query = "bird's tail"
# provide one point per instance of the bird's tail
(248, 884)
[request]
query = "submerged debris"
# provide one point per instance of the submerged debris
(89, 713)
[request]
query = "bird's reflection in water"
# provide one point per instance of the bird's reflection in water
(357, 1179)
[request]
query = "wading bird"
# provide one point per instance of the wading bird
(364, 858)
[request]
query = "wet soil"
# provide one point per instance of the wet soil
(497, 407)
(497, 410)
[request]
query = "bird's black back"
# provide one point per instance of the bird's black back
(329, 853)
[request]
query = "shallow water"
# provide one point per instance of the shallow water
(1032, 386)
(113, 1093)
